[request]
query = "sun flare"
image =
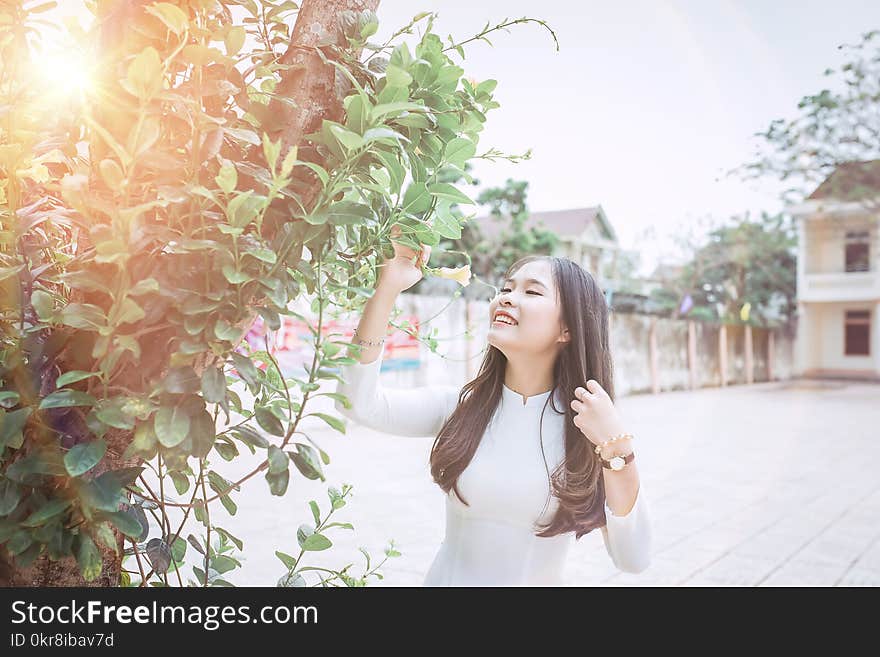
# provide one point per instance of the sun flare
(64, 74)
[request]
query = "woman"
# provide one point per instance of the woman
(516, 447)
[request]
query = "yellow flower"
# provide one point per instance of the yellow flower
(461, 275)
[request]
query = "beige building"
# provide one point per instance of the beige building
(586, 236)
(838, 277)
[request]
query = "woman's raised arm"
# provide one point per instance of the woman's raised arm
(399, 411)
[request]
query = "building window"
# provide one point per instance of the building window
(857, 333)
(858, 251)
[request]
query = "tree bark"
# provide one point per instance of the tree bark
(311, 85)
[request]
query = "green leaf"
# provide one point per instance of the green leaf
(234, 40)
(278, 461)
(229, 505)
(10, 496)
(8, 399)
(266, 255)
(46, 512)
(144, 286)
(286, 559)
(102, 493)
(45, 461)
(214, 385)
(83, 457)
(171, 425)
(20, 541)
(229, 536)
(223, 563)
(341, 525)
(180, 480)
(173, 17)
(72, 377)
(306, 462)
(144, 442)
(126, 523)
(203, 433)
(278, 482)
(445, 223)
(245, 368)
(269, 421)
(104, 534)
(112, 173)
(111, 413)
(416, 199)
(347, 139)
(316, 512)
(382, 110)
(237, 212)
(316, 542)
(397, 77)
(234, 276)
(181, 380)
(89, 558)
(83, 316)
(129, 312)
(459, 150)
(250, 437)
(348, 213)
(65, 398)
(43, 303)
(178, 549)
(225, 331)
(334, 422)
(227, 178)
(144, 76)
(450, 192)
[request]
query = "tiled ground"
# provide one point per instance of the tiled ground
(763, 485)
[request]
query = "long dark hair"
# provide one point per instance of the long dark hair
(577, 481)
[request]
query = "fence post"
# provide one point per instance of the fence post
(692, 354)
(771, 353)
(652, 346)
(750, 363)
(722, 353)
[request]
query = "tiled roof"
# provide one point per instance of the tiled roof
(565, 223)
(850, 181)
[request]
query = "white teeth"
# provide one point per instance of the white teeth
(505, 320)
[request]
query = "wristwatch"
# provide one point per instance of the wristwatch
(617, 462)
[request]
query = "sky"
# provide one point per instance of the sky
(647, 104)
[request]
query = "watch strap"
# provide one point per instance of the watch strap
(606, 463)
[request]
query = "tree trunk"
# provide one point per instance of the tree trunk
(312, 87)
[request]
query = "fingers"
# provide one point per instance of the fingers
(587, 394)
(582, 393)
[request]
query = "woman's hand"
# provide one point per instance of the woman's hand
(597, 417)
(405, 269)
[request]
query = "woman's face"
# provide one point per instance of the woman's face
(531, 299)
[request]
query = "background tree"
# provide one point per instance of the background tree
(745, 261)
(490, 256)
(836, 127)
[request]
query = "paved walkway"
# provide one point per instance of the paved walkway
(762, 485)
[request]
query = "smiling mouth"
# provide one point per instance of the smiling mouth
(503, 321)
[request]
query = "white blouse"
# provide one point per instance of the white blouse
(492, 541)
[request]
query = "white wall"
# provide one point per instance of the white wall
(824, 338)
(825, 243)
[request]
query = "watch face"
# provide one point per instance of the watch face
(617, 463)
